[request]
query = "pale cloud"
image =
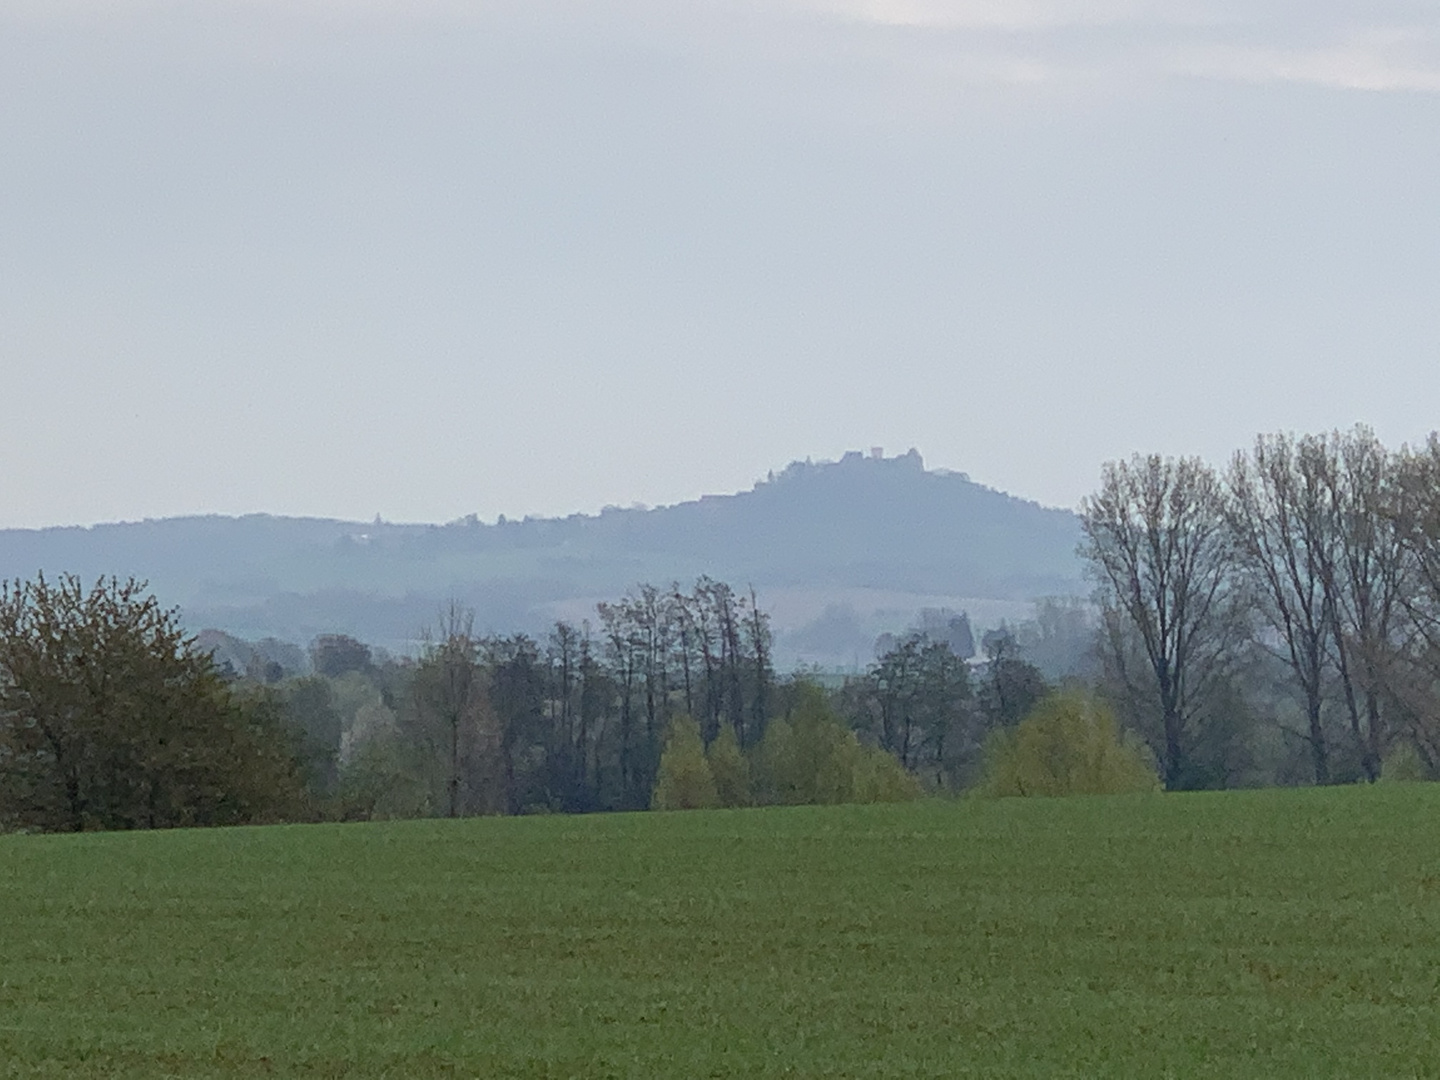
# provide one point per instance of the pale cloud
(1054, 42)
(1002, 15)
(1340, 44)
(1377, 61)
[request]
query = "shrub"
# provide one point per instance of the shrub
(880, 778)
(1070, 744)
(1404, 763)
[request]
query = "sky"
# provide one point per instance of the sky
(426, 258)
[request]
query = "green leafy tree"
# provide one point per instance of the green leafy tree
(684, 781)
(811, 757)
(111, 718)
(729, 768)
(1070, 745)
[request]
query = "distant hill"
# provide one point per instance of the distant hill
(836, 550)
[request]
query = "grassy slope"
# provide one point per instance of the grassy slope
(1267, 933)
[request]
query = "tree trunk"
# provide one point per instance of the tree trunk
(1318, 750)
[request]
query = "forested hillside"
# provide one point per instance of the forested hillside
(838, 550)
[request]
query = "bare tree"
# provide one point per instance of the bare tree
(708, 642)
(1160, 552)
(894, 685)
(686, 639)
(729, 611)
(516, 697)
(653, 615)
(1415, 515)
(450, 694)
(1010, 685)
(1365, 580)
(1279, 515)
(712, 628)
(761, 650)
(595, 692)
(565, 751)
(625, 655)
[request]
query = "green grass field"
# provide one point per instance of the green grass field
(1274, 934)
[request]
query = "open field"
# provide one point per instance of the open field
(1276, 934)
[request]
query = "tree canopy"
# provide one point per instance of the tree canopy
(110, 718)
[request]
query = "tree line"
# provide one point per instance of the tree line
(1275, 621)
(111, 717)
(1297, 587)
(571, 722)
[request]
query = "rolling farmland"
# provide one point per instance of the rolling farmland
(1273, 933)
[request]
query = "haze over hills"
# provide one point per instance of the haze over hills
(836, 551)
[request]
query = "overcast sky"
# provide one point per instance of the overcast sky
(424, 258)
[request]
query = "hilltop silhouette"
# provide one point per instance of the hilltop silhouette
(863, 542)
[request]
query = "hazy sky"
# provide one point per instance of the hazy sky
(424, 258)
